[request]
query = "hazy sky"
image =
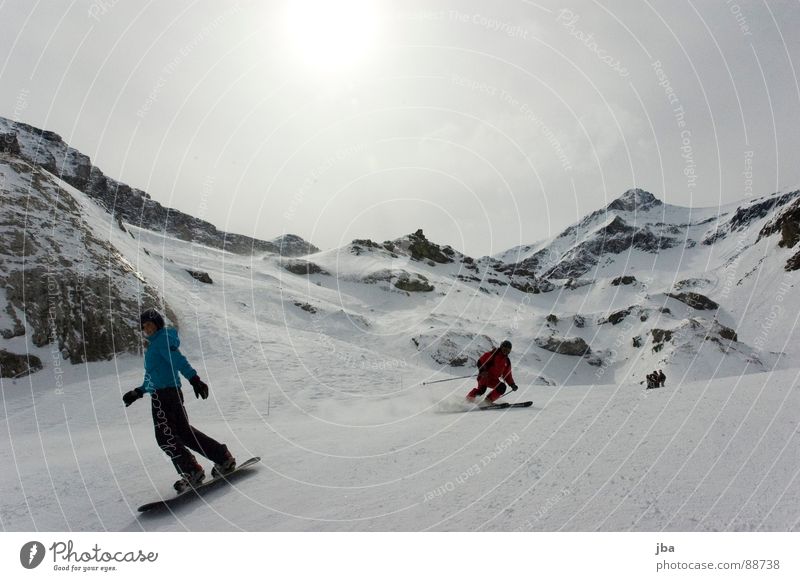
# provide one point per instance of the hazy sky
(487, 124)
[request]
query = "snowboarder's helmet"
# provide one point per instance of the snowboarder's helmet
(152, 316)
(506, 345)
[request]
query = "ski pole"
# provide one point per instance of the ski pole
(506, 392)
(449, 379)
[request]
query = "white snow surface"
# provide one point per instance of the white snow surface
(321, 377)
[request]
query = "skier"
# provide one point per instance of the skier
(493, 367)
(162, 362)
(661, 378)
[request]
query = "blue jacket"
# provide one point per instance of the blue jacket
(163, 361)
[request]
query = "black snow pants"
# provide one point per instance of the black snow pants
(174, 434)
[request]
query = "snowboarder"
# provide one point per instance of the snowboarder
(493, 367)
(661, 378)
(162, 362)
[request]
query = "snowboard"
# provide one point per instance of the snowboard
(504, 406)
(200, 488)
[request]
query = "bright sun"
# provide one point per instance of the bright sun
(332, 35)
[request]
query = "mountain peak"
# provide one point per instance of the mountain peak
(635, 200)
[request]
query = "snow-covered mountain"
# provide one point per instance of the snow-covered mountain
(316, 363)
(48, 150)
(634, 231)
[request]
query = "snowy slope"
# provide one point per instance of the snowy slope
(719, 455)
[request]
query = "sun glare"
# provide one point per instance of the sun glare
(332, 35)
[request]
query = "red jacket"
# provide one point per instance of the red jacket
(498, 369)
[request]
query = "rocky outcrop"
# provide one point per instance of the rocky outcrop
(617, 316)
(9, 143)
(793, 263)
(623, 280)
(726, 332)
(13, 365)
(203, 277)
(524, 279)
(305, 306)
(746, 215)
(615, 237)
(787, 223)
(635, 200)
(421, 248)
(401, 280)
(695, 300)
(303, 267)
(17, 329)
(692, 283)
(74, 289)
(660, 337)
(574, 346)
(413, 284)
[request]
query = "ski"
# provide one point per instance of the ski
(202, 487)
(506, 405)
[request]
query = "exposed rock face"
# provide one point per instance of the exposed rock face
(727, 333)
(9, 143)
(793, 263)
(400, 279)
(203, 277)
(692, 283)
(635, 200)
(46, 149)
(616, 237)
(745, 215)
(17, 328)
(74, 289)
(525, 280)
(623, 280)
(414, 284)
(695, 300)
(305, 306)
(660, 336)
(790, 232)
(787, 223)
(563, 346)
(303, 267)
(423, 249)
(13, 365)
(618, 316)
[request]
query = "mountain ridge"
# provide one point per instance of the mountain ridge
(48, 150)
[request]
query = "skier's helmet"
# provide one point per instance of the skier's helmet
(506, 345)
(152, 316)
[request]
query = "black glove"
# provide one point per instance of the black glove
(514, 387)
(200, 388)
(132, 396)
